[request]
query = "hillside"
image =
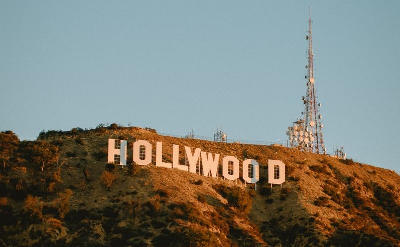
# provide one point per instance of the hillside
(60, 191)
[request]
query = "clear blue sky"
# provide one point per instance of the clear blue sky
(181, 65)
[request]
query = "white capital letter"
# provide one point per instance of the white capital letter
(159, 161)
(210, 164)
(175, 159)
(121, 152)
(276, 172)
(193, 159)
(235, 166)
(256, 171)
(146, 152)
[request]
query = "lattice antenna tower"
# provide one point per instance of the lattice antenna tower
(220, 136)
(190, 135)
(306, 133)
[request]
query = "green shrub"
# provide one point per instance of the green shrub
(201, 198)
(386, 199)
(108, 179)
(331, 191)
(100, 155)
(62, 202)
(348, 162)
(34, 206)
(355, 238)
(342, 178)
(185, 236)
(162, 193)
(354, 196)
(269, 200)
(284, 194)
(236, 197)
(198, 182)
(79, 141)
(321, 201)
(153, 205)
(320, 169)
(70, 154)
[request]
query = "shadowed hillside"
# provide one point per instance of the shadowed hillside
(60, 191)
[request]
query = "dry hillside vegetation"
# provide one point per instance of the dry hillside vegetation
(59, 190)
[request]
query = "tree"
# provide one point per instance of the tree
(40, 153)
(8, 145)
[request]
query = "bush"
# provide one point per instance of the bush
(320, 169)
(265, 190)
(110, 167)
(198, 182)
(151, 130)
(100, 155)
(284, 194)
(108, 178)
(321, 201)
(53, 226)
(331, 191)
(3, 201)
(39, 153)
(293, 178)
(185, 237)
(114, 126)
(354, 196)
(162, 193)
(355, 238)
(185, 211)
(132, 169)
(8, 145)
(348, 162)
(79, 141)
(51, 187)
(153, 205)
(342, 178)
(34, 206)
(62, 202)
(70, 154)
(386, 199)
(201, 198)
(236, 197)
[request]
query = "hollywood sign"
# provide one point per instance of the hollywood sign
(142, 155)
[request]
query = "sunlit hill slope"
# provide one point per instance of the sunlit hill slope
(60, 191)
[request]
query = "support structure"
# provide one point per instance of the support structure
(306, 132)
(220, 136)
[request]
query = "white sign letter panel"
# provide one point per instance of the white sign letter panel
(256, 171)
(193, 159)
(159, 161)
(276, 172)
(210, 164)
(146, 152)
(112, 151)
(235, 167)
(175, 159)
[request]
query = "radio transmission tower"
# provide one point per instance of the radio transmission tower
(306, 133)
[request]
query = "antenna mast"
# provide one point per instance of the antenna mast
(306, 133)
